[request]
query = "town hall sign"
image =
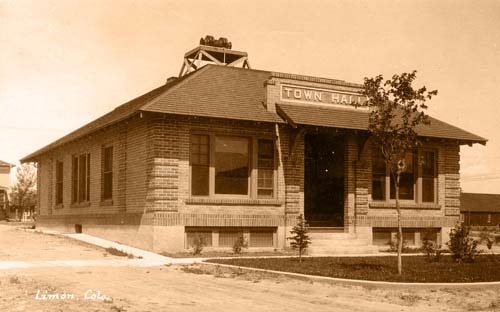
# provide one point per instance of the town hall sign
(299, 94)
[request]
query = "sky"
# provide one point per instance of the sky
(64, 63)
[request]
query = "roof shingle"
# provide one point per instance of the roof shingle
(221, 92)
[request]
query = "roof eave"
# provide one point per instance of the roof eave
(33, 156)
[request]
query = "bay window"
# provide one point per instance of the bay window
(223, 165)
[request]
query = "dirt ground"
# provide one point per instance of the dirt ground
(177, 288)
(19, 245)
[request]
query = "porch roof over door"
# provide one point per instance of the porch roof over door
(358, 119)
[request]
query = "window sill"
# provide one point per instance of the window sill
(233, 202)
(106, 202)
(404, 205)
(80, 205)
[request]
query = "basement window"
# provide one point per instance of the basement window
(203, 235)
(262, 237)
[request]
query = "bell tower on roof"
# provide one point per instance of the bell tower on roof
(213, 51)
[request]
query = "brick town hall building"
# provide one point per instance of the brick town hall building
(224, 151)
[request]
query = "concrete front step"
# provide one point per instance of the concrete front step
(332, 235)
(337, 242)
(329, 243)
(335, 250)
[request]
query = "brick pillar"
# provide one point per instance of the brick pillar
(121, 153)
(452, 180)
(363, 179)
(293, 171)
(350, 157)
(162, 165)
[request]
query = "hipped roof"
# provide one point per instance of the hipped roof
(239, 94)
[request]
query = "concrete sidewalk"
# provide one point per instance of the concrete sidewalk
(146, 258)
(143, 258)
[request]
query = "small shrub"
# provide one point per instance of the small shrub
(463, 248)
(300, 239)
(239, 244)
(484, 235)
(194, 270)
(431, 248)
(393, 247)
(198, 244)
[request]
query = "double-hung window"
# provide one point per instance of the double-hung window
(200, 164)
(59, 182)
(107, 173)
(379, 173)
(265, 168)
(429, 176)
(240, 166)
(80, 178)
(407, 179)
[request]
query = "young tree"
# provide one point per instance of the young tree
(23, 193)
(396, 109)
(300, 239)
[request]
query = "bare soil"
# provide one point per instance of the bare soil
(191, 288)
(18, 244)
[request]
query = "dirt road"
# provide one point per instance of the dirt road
(177, 288)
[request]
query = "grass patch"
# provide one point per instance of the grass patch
(415, 268)
(116, 252)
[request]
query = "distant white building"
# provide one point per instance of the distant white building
(4, 187)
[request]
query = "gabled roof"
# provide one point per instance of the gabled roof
(358, 119)
(476, 202)
(240, 94)
(5, 164)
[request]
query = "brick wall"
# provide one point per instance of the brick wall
(151, 177)
(129, 172)
(444, 213)
(169, 172)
